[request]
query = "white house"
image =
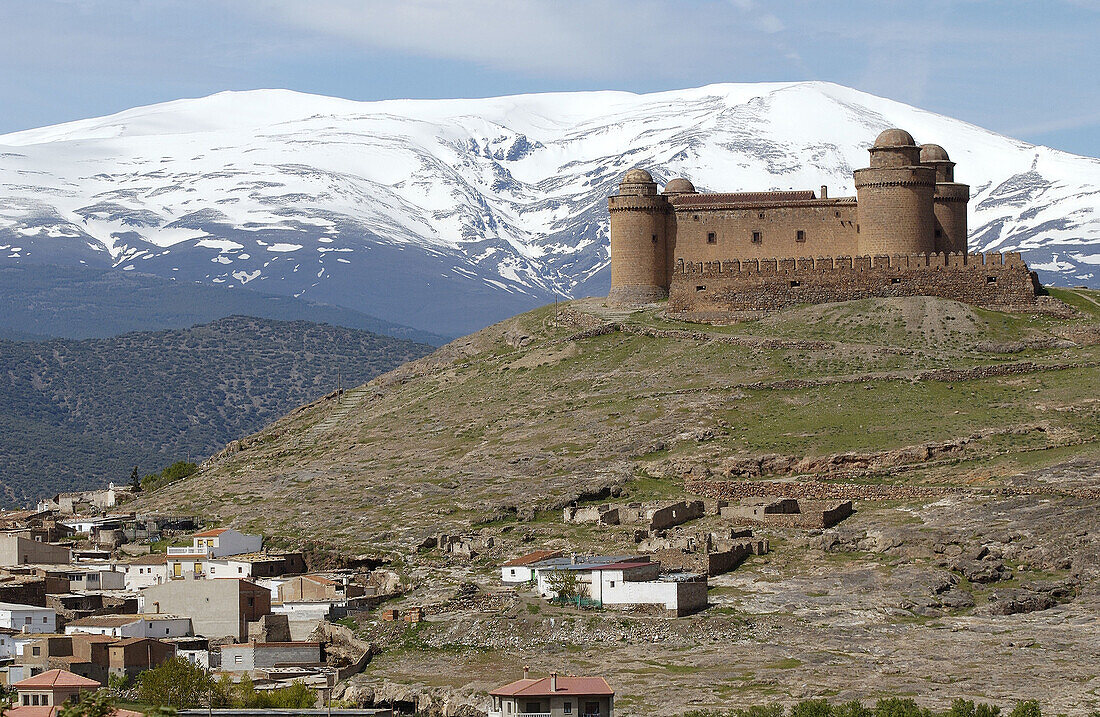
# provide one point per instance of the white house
(7, 643)
(553, 696)
(146, 570)
(27, 618)
(220, 542)
(91, 579)
(519, 570)
(629, 582)
(189, 561)
(151, 625)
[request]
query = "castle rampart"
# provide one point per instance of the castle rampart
(764, 285)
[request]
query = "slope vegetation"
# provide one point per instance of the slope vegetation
(76, 414)
(573, 399)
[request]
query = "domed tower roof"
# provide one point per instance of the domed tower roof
(637, 176)
(933, 153)
(895, 138)
(637, 182)
(679, 186)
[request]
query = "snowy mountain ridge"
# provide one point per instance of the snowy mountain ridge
(449, 214)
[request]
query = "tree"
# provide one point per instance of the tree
(566, 586)
(176, 683)
(135, 480)
(1030, 708)
(100, 703)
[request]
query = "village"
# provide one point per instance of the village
(92, 595)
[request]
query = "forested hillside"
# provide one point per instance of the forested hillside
(77, 414)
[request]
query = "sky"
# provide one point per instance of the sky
(1026, 68)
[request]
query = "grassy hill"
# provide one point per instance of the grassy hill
(993, 416)
(532, 412)
(75, 414)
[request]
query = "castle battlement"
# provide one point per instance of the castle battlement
(903, 234)
(897, 262)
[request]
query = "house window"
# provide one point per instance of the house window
(695, 217)
(836, 214)
(239, 570)
(800, 235)
(251, 601)
(712, 238)
(757, 237)
(36, 651)
(26, 621)
(612, 583)
(568, 708)
(26, 699)
(238, 659)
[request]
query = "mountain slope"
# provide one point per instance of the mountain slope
(76, 414)
(531, 412)
(40, 301)
(450, 214)
(942, 408)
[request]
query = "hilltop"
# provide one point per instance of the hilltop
(970, 438)
(75, 414)
(448, 215)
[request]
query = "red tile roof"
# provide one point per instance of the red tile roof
(532, 558)
(55, 678)
(150, 559)
(579, 686)
(623, 566)
(52, 711)
(212, 533)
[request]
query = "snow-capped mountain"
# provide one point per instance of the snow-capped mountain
(448, 214)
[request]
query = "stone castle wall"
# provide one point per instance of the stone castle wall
(715, 233)
(765, 285)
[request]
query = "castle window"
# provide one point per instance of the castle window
(991, 280)
(757, 237)
(654, 238)
(760, 215)
(939, 233)
(857, 229)
(701, 288)
(836, 214)
(800, 235)
(694, 217)
(795, 283)
(712, 238)
(895, 280)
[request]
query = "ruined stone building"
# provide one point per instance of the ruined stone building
(903, 234)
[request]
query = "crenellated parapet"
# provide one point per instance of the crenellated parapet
(993, 279)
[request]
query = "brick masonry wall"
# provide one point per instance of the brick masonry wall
(766, 285)
(829, 228)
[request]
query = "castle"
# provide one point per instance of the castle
(903, 234)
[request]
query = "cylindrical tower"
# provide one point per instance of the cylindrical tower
(950, 201)
(639, 267)
(894, 198)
